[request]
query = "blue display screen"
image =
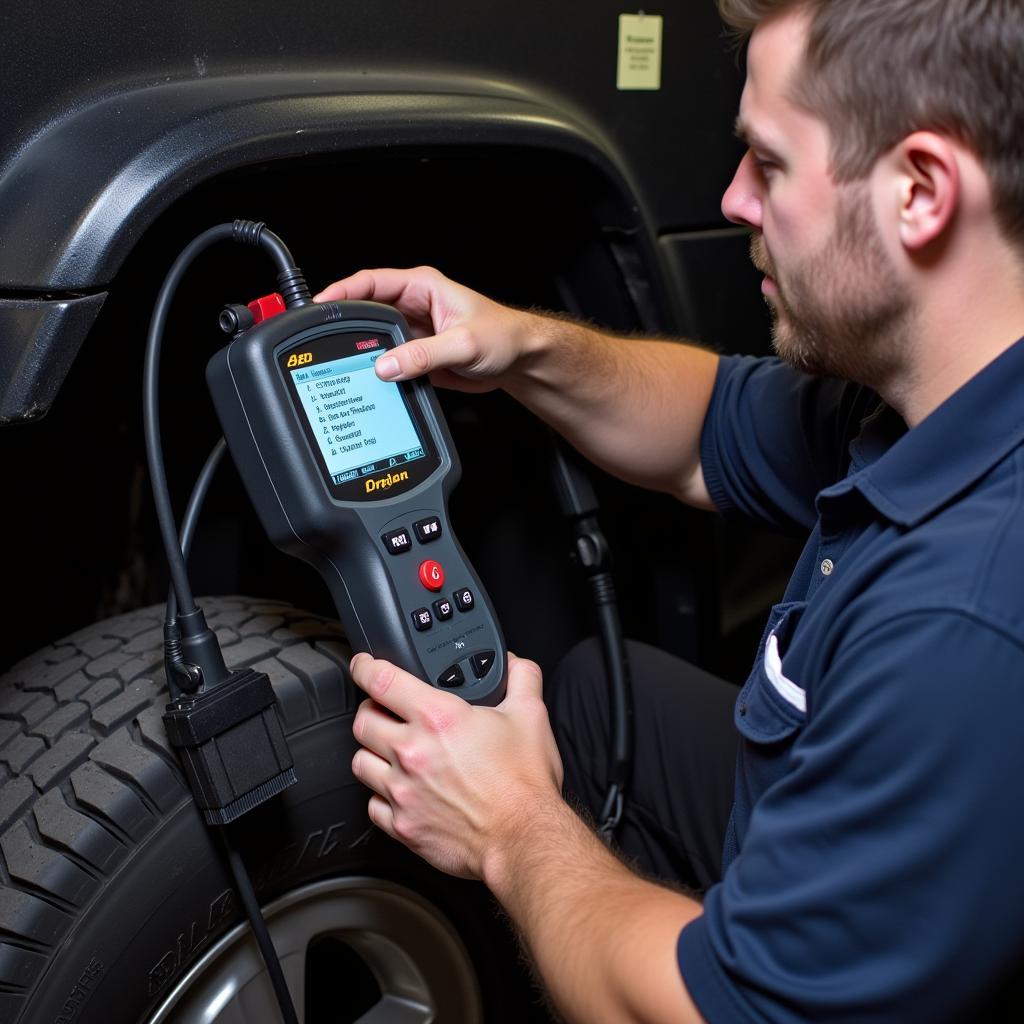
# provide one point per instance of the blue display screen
(360, 422)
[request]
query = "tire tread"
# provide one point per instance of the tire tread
(87, 771)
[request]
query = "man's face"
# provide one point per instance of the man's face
(837, 304)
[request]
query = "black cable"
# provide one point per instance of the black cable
(192, 655)
(151, 412)
(192, 513)
(176, 546)
(290, 279)
(295, 293)
(243, 883)
(259, 927)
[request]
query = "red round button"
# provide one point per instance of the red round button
(431, 575)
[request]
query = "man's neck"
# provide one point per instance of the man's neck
(966, 324)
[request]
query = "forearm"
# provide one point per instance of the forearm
(635, 407)
(603, 939)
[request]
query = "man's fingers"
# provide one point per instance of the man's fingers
(385, 285)
(397, 690)
(382, 815)
(377, 729)
(372, 771)
(524, 678)
(412, 291)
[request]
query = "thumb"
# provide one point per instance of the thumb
(446, 349)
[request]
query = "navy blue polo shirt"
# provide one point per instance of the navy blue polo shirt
(873, 864)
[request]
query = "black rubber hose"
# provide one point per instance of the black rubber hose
(620, 757)
(614, 650)
(151, 411)
(578, 503)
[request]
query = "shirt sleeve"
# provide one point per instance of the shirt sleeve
(880, 876)
(773, 438)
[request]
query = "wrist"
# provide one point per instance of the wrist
(525, 840)
(552, 350)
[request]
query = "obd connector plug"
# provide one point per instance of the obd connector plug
(231, 745)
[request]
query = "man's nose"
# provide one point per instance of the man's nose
(742, 200)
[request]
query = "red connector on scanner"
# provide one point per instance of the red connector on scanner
(266, 306)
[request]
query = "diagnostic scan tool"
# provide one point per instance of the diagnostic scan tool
(352, 474)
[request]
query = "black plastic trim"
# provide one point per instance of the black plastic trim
(79, 194)
(33, 364)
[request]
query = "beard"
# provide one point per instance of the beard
(841, 312)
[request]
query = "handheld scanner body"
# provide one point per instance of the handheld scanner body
(352, 474)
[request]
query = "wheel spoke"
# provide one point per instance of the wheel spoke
(393, 1010)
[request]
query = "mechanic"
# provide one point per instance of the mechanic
(871, 861)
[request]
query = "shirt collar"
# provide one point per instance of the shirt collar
(909, 474)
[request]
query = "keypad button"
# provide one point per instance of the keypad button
(443, 609)
(431, 574)
(421, 619)
(451, 677)
(427, 529)
(464, 599)
(482, 663)
(397, 541)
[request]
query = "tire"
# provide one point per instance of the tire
(115, 903)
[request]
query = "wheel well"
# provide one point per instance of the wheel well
(531, 228)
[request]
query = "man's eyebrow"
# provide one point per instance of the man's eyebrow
(752, 140)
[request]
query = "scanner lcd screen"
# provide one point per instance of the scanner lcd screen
(360, 423)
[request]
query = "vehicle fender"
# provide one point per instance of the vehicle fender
(80, 192)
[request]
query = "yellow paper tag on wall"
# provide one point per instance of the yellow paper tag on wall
(639, 51)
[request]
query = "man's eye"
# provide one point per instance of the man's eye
(764, 165)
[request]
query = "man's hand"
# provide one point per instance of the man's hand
(477, 792)
(453, 781)
(465, 341)
(636, 409)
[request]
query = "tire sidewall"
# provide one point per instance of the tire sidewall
(173, 898)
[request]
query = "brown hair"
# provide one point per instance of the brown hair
(877, 70)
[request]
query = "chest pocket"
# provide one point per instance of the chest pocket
(771, 707)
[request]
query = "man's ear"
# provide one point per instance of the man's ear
(929, 188)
